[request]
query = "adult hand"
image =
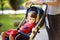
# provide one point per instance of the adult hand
(37, 2)
(28, 3)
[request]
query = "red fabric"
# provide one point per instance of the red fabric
(11, 32)
(26, 28)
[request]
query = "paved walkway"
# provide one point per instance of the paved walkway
(40, 36)
(0, 37)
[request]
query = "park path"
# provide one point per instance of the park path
(42, 35)
(0, 37)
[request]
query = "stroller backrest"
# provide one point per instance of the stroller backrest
(39, 12)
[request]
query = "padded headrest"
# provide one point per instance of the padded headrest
(36, 9)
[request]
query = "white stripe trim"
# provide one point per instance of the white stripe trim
(47, 22)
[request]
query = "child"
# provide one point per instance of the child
(26, 28)
(51, 26)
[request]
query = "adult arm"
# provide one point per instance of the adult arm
(39, 3)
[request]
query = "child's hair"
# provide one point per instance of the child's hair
(33, 14)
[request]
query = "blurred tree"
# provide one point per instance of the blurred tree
(5, 4)
(16, 4)
(0, 4)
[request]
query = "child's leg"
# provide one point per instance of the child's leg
(11, 37)
(3, 35)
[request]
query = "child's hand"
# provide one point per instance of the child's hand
(33, 29)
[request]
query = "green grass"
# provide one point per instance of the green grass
(8, 20)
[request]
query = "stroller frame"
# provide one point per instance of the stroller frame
(37, 27)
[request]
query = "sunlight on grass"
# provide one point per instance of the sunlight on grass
(8, 21)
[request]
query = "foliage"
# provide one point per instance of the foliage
(0, 4)
(0, 7)
(6, 4)
(8, 20)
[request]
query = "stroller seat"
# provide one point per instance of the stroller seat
(39, 11)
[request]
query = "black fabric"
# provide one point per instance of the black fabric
(54, 24)
(39, 11)
(22, 36)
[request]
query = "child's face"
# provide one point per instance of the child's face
(31, 19)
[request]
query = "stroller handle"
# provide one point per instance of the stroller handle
(46, 6)
(36, 29)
